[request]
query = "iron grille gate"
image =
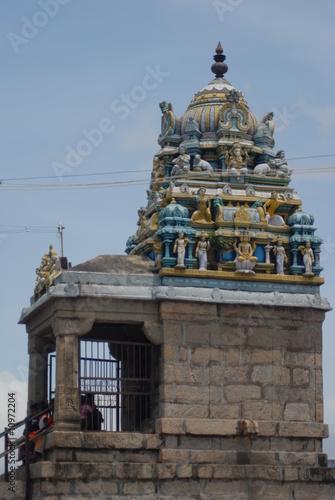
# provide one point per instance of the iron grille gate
(115, 380)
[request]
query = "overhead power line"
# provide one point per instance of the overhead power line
(132, 171)
(9, 229)
(57, 187)
(100, 185)
(314, 170)
(308, 157)
(30, 227)
(75, 175)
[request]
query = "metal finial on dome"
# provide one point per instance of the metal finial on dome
(219, 68)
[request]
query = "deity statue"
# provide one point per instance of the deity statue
(245, 261)
(154, 220)
(202, 165)
(281, 256)
(218, 208)
(55, 269)
(308, 258)
(269, 123)
(153, 195)
(279, 163)
(270, 206)
(259, 206)
(165, 195)
(43, 273)
(168, 124)
(265, 130)
(158, 169)
(157, 176)
(49, 269)
(179, 247)
(142, 223)
(52, 252)
(192, 126)
(201, 251)
(203, 214)
(236, 158)
(181, 164)
(158, 251)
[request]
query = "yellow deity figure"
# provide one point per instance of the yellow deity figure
(236, 159)
(245, 250)
(153, 221)
(245, 261)
(308, 258)
(179, 247)
(203, 214)
(158, 171)
(56, 268)
(270, 206)
(43, 273)
(49, 269)
(52, 252)
(165, 195)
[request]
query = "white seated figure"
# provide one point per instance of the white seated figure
(181, 164)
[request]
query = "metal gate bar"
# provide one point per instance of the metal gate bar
(115, 380)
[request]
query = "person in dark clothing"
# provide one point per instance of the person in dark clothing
(33, 426)
(97, 418)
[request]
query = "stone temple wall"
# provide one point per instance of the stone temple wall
(239, 413)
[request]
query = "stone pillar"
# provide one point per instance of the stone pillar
(316, 266)
(267, 249)
(294, 251)
(295, 268)
(38, 350)
(67, 405)
(167, 260)
(189, 259)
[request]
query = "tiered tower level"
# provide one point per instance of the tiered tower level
(220, 206)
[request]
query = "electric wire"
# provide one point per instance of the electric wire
(138, 182)
(15, 229)
(138, 171)
(76, 175)
(52, 187)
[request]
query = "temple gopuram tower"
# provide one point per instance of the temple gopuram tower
(202, 347)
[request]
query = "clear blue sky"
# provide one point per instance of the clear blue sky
(70, 74)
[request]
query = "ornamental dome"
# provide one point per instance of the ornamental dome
(300, 217)
(174, 210)
(217, 101)
(205, 105)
